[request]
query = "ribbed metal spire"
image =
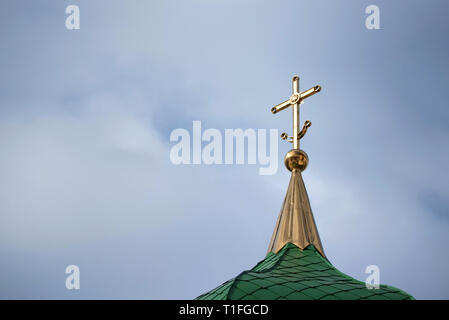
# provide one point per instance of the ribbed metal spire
(295, 223)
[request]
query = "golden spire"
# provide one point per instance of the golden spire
(295, 223)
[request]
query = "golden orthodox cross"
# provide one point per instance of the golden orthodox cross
(294, 101)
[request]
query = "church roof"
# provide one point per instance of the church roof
(295, 274)
(296, 267)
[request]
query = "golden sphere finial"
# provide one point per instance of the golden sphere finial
(296, 159)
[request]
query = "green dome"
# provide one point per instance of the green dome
(295, 274)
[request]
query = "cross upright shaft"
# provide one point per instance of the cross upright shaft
(294, 101)
(295, 92)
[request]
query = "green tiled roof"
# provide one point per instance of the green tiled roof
(295, 274)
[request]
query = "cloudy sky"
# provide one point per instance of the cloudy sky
(86, 116)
